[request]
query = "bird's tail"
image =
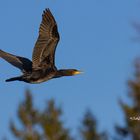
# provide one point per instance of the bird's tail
(14, 79)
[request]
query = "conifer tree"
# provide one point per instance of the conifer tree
(88, 129)
(47, 124)
(39, 125)
(131, 111)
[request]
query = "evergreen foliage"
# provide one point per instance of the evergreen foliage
(132, 111)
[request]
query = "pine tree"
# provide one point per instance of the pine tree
(39, 125)
(88, 129)
(47, 124)
(52, 125)
(132, 111)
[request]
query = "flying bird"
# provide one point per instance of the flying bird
(42, 67)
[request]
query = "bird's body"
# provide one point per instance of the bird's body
(42, 67)
(37, 76)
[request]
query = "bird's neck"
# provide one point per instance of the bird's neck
(62, 72)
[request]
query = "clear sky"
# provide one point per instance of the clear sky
(96, 37)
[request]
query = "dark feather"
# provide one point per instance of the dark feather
(14, 79)
(44, 50)
(22, 63)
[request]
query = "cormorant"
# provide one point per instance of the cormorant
(42, 67)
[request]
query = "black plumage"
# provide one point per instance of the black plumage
(42, 67)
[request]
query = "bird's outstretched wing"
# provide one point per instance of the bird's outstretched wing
(22, 63)
(44, 50)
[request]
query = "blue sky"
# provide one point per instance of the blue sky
(96, 37)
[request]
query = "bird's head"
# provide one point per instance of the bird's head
(72, 72)
(69, 72)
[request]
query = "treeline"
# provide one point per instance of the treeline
(48, 124)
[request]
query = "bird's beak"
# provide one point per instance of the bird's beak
(78, 72)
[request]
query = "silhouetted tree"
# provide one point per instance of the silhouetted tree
(47, 124)
(132, 111)
(39, 125)
(89, 128)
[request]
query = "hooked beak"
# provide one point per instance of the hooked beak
(78, 72)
